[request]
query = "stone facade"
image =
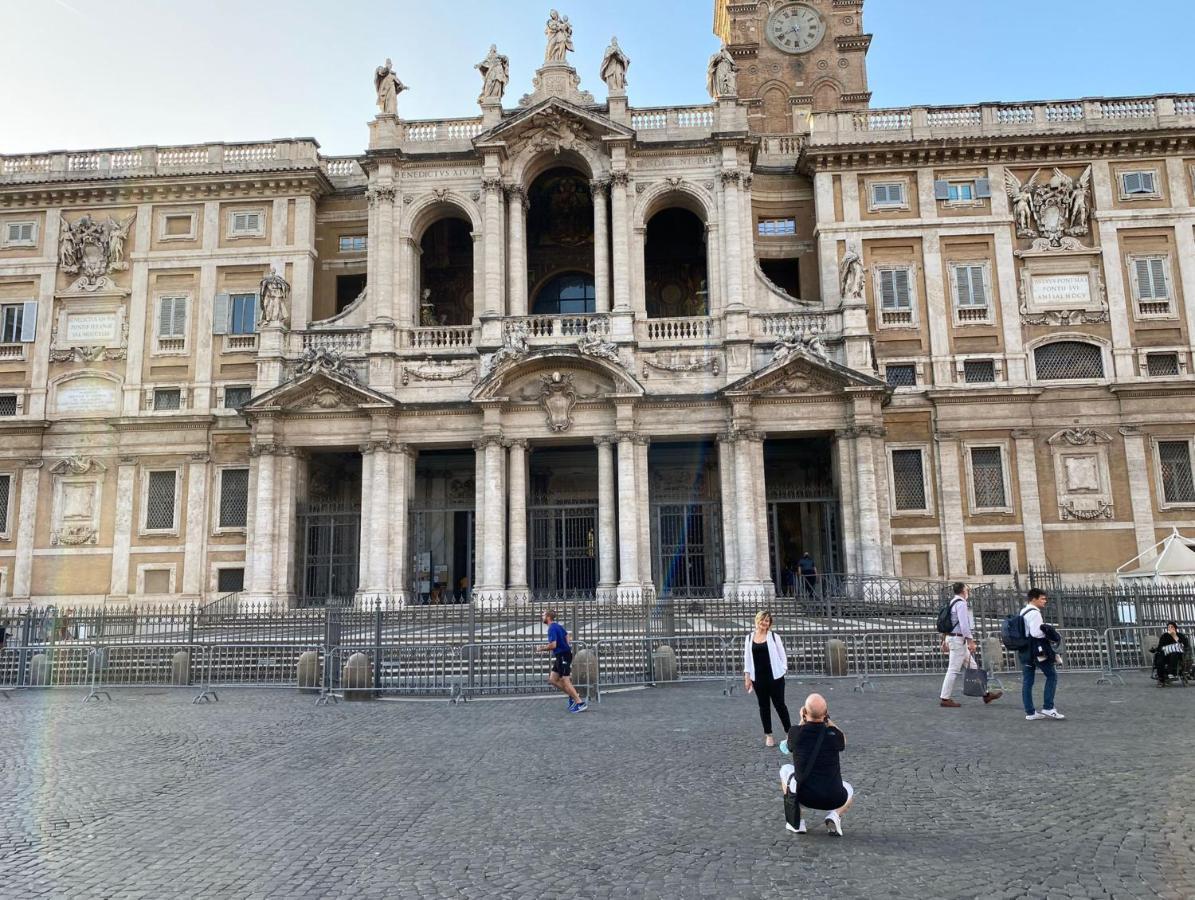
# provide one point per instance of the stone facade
(576, 348)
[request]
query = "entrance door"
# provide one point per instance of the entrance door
(563, 550)
(796, 527)
(686, 537)
(329, 552)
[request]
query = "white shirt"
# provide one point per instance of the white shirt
(1033, 621)
(776, 656)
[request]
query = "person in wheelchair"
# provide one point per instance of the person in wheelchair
(1173, 656)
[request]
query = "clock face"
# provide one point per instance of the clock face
(796, 28)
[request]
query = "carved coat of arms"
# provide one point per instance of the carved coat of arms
(92, 249)
(1054, 213)
(558, 398)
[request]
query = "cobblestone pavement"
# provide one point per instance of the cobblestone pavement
(664, 792)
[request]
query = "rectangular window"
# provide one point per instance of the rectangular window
(1138, 183)
(234, 497)
(230, 581)
(242, 314)
(246, 223)
(8, 404)
(901, 374)
(352, 243)
(172, 318)
(908, 480)
(237, 395)
(1174, 459)
(1151, 285)
(995, 562)
(168, 398)
(979, 371)
(896, 296)
(1161, 365)
(5, 493)
(777, 227)
(12, 320)
(987, 476)
(20, 234)
(159, 501)
(961, 190)
(970, 293)
(888, 194)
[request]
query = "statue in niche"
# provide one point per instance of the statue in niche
(851, 278)
(274, 291)
(427, 309)
(495, 73)
(388, 87)
(614, 68)
(722, 77)
(560, 38)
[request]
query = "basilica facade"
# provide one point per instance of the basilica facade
(572, 347)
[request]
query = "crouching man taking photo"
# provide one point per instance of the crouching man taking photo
(814, 780)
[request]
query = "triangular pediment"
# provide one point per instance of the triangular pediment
(318, 392)
(553, 124)
(803, 372)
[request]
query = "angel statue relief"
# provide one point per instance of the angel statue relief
(1080, 203)
(495, 73)
(1020, 196)
(388, 87)
(560, 38)
(614, 68)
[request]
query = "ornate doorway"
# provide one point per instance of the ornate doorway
(562, 513)
(803, 510)
(329, 530)
(686, 520)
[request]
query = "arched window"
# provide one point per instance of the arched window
(559, 227)
(674, 263)
(446, 273)
(569, 293)
(1068, 359)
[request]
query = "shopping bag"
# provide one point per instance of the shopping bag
(975, 682)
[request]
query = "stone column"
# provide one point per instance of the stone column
(22, 567)
(479, 492)
(259, 554)
(376, 456)
(518, 517)
(1035, 540)
(950, 501)
(495, 517)
(844, 460)
(286, 521)
(601, 246)
(196, 535)
(607, 509)
(402, 479)
(1139, 493)
(628, 517)
(492, 190)
(729, 504)
(643, 498)
(748, 521)
(516, 208)
(365, 547)
(122, 531)
(381, 247)
(733, 239)
(619, 212)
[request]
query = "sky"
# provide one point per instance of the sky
(81, 74)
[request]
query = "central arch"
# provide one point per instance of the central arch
(560, 242)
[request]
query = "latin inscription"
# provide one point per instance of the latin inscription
(86, 395)
(91, 327)
(1062, 290)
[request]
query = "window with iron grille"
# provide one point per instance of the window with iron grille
(887, 194)
(5, 493)
(987, 477)
(1138, 183)
(1151, 286)
(777, 227)
(1159, 365)
(979, 371)
(159, 501)
(8, 404)
(908, 479)
(230, 581)
(995, 562)
(1068, 359)
(970, 294)
(234, 497)
(237, 395)
(901, 374)
(896, 296)
(168, 398)
(1174, 460)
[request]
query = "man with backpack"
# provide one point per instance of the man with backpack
(1036, 652)
(954, 623)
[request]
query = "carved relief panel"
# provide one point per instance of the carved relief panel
(77, 492)
(1081, 476)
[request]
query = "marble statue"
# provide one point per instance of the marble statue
(275, 292)
(590, 344)
(514, 347)
(388, 86)
(722, 77)
(851, 274)
(1055, 212)
(92, 249)
(495, 73)
(560, 38)
(614, 68)
(118, 233)
(427, 309)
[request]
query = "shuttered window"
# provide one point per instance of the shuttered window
(1151, 285)
(172, 317)
(242, 314)
(970, 293)
(890, 193)
(234, 497)
(1174, 459)
(896, 296)
(159, 501)
(19, 234)
(908, 480)
(987, 476)
(11, 316)
(246, 223)
(1138, 183)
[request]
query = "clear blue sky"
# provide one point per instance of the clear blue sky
(83, 74)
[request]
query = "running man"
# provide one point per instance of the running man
(562, 661)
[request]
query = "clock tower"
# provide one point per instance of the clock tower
(795, 57)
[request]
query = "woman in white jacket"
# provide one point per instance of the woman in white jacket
(764, 665)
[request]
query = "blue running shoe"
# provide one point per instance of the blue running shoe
(579, 707)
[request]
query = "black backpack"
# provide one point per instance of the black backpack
(946, 618)
(1013, 633)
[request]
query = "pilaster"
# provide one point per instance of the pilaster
(22, 569)
(1030, 495)
(1137, 462)
(518, 517)
(950, 502)
(122, 530)
(195, 541)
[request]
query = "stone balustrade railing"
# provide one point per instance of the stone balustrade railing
(563, 328)
(355, 340)
(342, 167)
(441, 337)
(994, 119)
(677, 330)
(659, 122)
(772, 325)
(142, 161)
(780, 147)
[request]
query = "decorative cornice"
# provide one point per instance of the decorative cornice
(380, 194)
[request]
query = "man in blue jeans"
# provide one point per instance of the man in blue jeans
(1039, 654)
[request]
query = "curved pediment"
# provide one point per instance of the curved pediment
(803, 372)
(591, 377)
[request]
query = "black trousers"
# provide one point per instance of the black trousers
(1167, 664)
(771, 693)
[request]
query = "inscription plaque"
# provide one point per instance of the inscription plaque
(1062, 290)
(87, 395)
(91, 327)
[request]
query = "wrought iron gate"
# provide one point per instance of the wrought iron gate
(687, 538)
(564, 549)
(329, 551)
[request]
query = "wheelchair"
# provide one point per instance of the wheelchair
(1184, 673)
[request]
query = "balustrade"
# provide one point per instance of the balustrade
(562, 326)
(663, 119)
(771, 325)
(678, 329)
(354, 341)
(441, 337)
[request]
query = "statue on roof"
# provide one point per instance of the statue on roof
(614, 68)
(722, 76)
(495, 73)
(388, 87)
(560, 38)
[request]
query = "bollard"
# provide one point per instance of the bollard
(993, 655)
(663, 663)
(180, 668)
(835, 657)
(356, 679)
(585, 668)
(309, 672)
(39, 669)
